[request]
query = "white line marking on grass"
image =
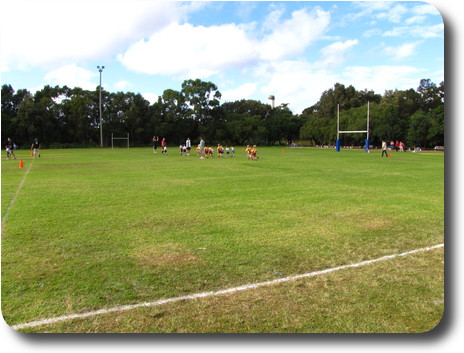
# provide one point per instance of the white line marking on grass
(210, 294)
(10, 206)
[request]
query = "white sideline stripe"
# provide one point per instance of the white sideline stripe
(209, 294)
(10, 206)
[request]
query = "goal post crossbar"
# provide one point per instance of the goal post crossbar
(119, 138)
(337, 146)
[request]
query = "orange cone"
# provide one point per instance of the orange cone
(389, 155)
(21, 164)
(283, 151)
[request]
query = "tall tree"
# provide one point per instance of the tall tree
(25, 124)
(246, 121)
(431, 95)
(79, 114)
(202, 97)
(136, 118)
(9, 111)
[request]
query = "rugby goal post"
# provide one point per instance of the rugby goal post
(367, 142)
(119, 138)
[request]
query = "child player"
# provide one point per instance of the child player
(9, 148)
(254, 151)
(35, 147)
(164, 147)
(248, 151)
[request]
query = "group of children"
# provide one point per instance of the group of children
(252, 152)
(184, 149)
(209, 151)
(397, 146)
(10, 147)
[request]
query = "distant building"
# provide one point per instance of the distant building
(271, 100)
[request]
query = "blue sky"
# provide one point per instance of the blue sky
(250, 50)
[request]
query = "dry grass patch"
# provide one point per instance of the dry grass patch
(170, 254)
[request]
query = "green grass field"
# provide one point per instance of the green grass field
(88, 229)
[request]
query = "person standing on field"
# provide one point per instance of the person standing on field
(35, 147)
(202, 148)
(401, 146)
(188, 145)
(164, 148)
(384, 148)
(155, 140)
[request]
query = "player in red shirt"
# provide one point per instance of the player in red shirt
(164, 147)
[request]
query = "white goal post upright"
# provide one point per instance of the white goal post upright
(119, 138)
(367, 142)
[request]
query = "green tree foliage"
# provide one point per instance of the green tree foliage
(78, 110)
(60, 116)
(10, 105)
(203, 102)
(419, 128)
(415, 117)
(242, 121)
(436, 133)
(431, 95)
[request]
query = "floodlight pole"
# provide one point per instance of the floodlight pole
(100, 69)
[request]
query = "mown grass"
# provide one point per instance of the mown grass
(97, 228)
(404, 295)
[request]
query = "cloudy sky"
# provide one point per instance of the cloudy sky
(250, 50)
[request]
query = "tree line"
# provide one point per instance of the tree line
(415, 117)
(69, 117)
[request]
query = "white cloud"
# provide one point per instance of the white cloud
(393, 14)
(368, 8)
(335, 53)
(425, 9)
(151, 97)
(189, 50)
(49, 33)
(381, 78)
(73, 76)
(245, 9)
(301, 84)
(295, 82)
(245, 91)
(292, 36)
(433, 31)
(273, 18)
(415, 19)
(391, 11)
(403, 51)
(198, 51)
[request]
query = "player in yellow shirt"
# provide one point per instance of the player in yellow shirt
(220, 150)
(254, 151)
(248, 150)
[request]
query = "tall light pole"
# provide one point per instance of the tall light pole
(101, 121)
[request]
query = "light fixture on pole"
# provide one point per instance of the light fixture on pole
(100, 69)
